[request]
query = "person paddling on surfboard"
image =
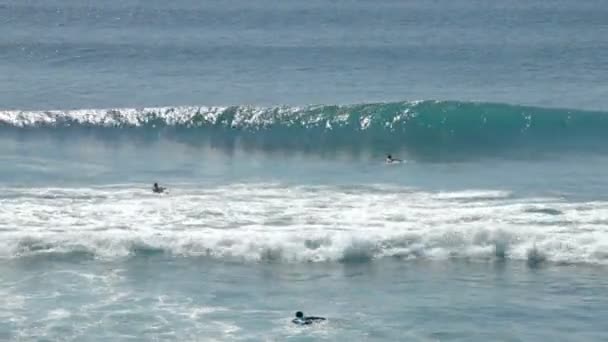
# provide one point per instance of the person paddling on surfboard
(306, 320)
(390, 159)
(157, 189)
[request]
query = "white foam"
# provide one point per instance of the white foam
(244, 116)
(57, 314)
(252, 117)
(272, 222)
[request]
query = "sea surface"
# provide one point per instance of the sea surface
(269, 123)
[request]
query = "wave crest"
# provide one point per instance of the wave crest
(429, 124)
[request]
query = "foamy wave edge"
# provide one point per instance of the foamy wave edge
(485, 245)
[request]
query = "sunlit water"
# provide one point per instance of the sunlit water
(493, 228)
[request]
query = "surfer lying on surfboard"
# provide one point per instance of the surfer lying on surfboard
(390, 159)
(306, 320)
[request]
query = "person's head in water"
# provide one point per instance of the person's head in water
(299, 314)
(158, 189)
(389, 157)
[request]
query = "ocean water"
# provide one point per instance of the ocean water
(268, 122)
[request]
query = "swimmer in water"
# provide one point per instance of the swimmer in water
(306, 320)
(157, 189)
(390, 159)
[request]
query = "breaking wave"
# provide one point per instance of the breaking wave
(265, 223)
(408, 125)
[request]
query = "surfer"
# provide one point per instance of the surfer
(306, 320)
(390, 159)
(157, 189)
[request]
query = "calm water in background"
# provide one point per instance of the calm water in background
(62, 54)
(506, 245)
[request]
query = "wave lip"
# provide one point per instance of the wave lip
(423, 124)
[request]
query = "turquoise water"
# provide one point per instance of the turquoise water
(269, 123)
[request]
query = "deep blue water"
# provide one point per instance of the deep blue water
(269, 122)
(83, 54)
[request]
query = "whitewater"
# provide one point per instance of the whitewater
(269, 123)
(265, 222)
